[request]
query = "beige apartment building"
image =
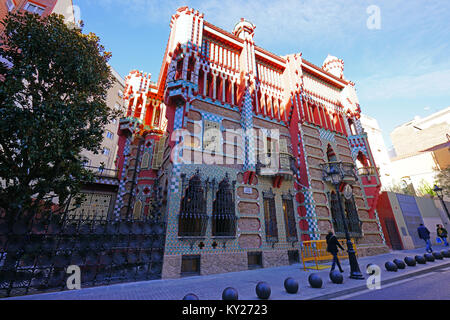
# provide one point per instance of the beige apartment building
(108, 152)
(422, 149)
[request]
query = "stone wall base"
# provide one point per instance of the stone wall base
(275, 258)
(372, 250)
(213, 263)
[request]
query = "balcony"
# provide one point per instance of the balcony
(367, 171)
(284, 167)
(345, 170)
(101, 172)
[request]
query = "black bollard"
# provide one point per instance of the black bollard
(291, 285)
(263, 290)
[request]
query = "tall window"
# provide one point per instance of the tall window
(270, 216)
(109, 135)
(331, 156)
(351, 216)
(158, 153)
(338, 224)
(106, 151)
(34, 8)
(289, 218)
(353, 222)
(192, 218)
(224, 218)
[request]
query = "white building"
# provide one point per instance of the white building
(378, 147)
(421, 147)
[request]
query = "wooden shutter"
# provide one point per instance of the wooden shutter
(158, 153)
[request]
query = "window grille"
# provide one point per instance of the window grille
(192, 218)
(289, 218)
(224, 217)
(270, 216)
(158, 153)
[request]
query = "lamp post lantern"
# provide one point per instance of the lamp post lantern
(440, 195)
(335, 173)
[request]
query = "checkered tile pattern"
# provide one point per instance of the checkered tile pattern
(379, 227)
(247, 125)
(327, 135)
(176, 170)
(122, 181)
(309, 204)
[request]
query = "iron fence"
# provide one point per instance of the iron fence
(35, 253)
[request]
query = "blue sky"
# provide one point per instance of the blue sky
(401, 70)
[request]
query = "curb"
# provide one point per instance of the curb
(383, 282)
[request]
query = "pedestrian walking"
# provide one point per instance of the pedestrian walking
(332, 247)
(442, 233)
(424, 234)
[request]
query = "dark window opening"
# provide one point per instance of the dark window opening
(254, 260)
(289, 220)
(270, 217)
(224, 217)
(192, 218)
(190, 265)
(293, 256)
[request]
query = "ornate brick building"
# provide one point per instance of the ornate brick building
(237, 139)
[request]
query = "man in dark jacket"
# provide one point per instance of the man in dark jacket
(332, 247)
(424, 234)
(442, 233)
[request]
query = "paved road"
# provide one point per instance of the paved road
(429, 286)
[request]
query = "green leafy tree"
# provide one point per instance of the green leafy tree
(53, 86)
(425, 189)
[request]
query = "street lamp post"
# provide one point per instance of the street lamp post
(440, 195)
(336, 175)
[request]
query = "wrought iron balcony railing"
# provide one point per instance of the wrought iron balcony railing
(367, 171)
(346, 171)
(101, 172)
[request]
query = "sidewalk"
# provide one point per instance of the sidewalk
(210, 287)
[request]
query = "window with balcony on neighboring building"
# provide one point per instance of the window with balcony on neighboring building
(34, 8)
(106, 151)
(120, 93)
(10, 4)
(109, 135)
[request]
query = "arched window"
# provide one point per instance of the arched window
(179, 71)
(338, 223)
(190, 70)
(351, 214)
(351, 125)
(192, 218)
(137, 209)
(289, 218)
(270, 216)
(331, 156)
(363, 164)
(224, 217)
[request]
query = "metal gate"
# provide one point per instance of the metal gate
(393, 235)
(35, 253)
